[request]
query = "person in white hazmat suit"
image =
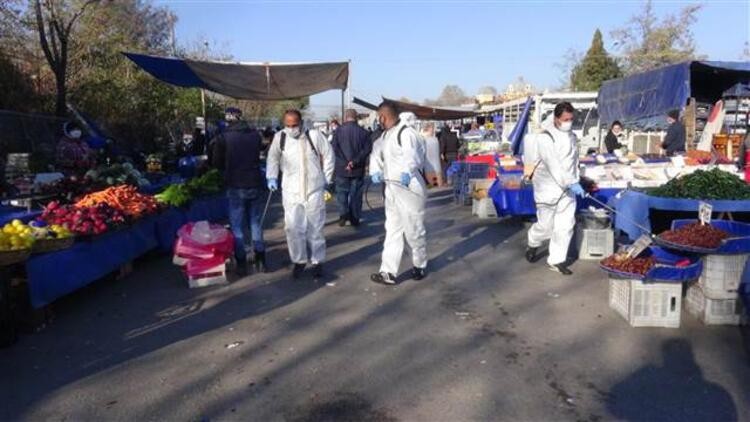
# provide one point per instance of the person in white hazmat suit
(307, 162)
(398, 159)
(556, 185)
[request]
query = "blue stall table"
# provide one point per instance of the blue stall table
(8, 214)
(53, 275)
(520, 202)
(633, 209)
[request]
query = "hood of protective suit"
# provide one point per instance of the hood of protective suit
(409, 119)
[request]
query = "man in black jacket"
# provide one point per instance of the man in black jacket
(352, 147)
(449, 145)
(237, 154)
(674, 141)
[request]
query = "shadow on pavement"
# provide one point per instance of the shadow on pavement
(650, 393)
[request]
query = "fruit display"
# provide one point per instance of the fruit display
(16, 236)
(123, 198)
(116, 174)
(701, 184)
(91, 220)
(695, 235)
(621, 263)
(175, 195)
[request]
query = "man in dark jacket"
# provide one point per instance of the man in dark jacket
(352, 147)
(448, 147)
(674, 141)
(237, 154)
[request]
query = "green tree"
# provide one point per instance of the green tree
(56, 25)
(647, 42)
(596, 67)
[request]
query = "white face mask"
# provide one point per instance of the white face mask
(294, 132)
(566, 126)
(75, 134)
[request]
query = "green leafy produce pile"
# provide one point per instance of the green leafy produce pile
(175, 195)
(211, 182)
(180, 194)
(712, 184)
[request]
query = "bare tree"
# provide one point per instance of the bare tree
(452, 95)
(55, 23)
(647, 42)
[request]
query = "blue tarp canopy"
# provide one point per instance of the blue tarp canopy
(642, 100)
(519, 130)
(247, 81)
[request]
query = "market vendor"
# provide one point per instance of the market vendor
(612, 140)
(674, 141)
(73, 154)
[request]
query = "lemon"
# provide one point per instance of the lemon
(16, 223)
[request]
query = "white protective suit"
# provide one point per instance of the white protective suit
(555, 205)
(404, 206)
(306, 174)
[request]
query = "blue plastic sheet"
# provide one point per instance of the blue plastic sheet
(53, 275)
(666, 270)
(8, 214)
(520, 202)
(642, 100)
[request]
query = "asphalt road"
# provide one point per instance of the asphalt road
(486, 336)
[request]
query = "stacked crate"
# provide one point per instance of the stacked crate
(714, 299)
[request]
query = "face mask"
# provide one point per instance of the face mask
(75, 134)
(566, 126)
(294, 132)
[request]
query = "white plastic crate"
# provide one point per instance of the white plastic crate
(483, 208)
(595, 244)
(722, 275)
(210, 277)
(713, 311)
(646, 304)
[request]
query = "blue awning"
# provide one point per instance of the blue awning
(263, 81)
(519, 130)
(642, 100)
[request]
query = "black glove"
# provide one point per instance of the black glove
(331, 188)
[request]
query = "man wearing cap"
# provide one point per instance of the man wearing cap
(237, 153)
(674, 141)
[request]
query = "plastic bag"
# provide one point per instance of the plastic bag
(202, 240)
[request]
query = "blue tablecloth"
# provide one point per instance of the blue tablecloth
(520, 202)
(53, 275)
(56, 274)
(633, 209)
(8, 214)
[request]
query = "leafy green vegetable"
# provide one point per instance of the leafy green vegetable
(175, 195)
(712, 184)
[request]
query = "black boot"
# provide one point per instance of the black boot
(531, 255)
(317, 271)
(342, 220)
(240, 265)
(298, 270)
(260, 262)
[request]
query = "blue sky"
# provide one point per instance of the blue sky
(413, 48)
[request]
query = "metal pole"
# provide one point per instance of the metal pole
(342, 105)
(203, 104)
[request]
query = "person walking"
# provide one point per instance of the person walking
(556, 185)
(433, 169)
(307, 162)
(674, 140)
(397, 159)
(237, 155)
(449, 145)
(352, 147)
